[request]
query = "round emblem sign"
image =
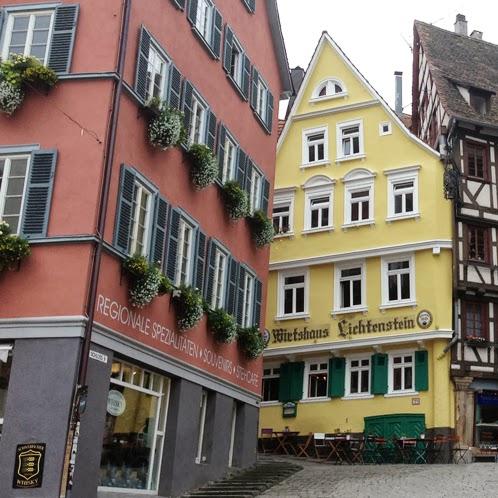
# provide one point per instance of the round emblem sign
(266, 336)
(424, 319)
(116, 403)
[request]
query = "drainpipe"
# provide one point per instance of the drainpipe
(110, 145)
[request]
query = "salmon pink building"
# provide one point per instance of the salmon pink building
(98, 395)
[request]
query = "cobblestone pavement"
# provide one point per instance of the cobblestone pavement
(386, 481)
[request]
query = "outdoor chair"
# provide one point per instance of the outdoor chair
(303, 449)
(322, 448)
(458, 451)
(267, 441)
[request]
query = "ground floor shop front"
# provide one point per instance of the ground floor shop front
(152, 424)
(390, 389)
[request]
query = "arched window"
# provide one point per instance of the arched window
(329, 88)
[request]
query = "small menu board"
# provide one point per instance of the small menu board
(289, 409)
(28, 469)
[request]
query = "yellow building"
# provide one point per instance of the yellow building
(359, 308)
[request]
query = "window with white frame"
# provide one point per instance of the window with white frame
(247, 303)
(255, 192)
(200, 457)
(219, 283)
(137, 407)
(349, 139)
(184, 256)
(398, 280)
(316, 379)
(156, 75)
(402, 192)
(198, 120)
(271, 383)
(229, 159)
(358, 377)
(28, 33)
(329, 88)
(318, 203)
(350, 287)
(203, 18)
(315, 146)
(140, 221)
(13, 174)
(293, 293)
(283, 207)
(385, 128)
(261, 98)
(359, 197)
(401, 373)
(236, 62)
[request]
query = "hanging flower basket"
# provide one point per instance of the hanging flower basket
(222, 325)
(13, 249)
(145, 281)
(235, 199)
(166, 128)
(188, 307)
(11, 97)
(261, 228)
(251, 342)
(476, 341)
(203, 167)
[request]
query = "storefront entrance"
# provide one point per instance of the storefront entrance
(137, 406)
(486, 428)
(5, 366)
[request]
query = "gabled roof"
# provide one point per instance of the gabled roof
(326, 38)
(456, 59)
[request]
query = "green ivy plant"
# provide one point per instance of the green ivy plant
(145, 280)
(203, 167)
(189, 307)
(250, 341)
(166, 128)
(222, 325)
(13, 249)
(19, 73)
(261, 228)
(235, 199)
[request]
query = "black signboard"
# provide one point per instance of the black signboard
(289, 409)
(28, 469)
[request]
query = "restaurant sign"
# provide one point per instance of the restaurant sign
(28, 471)
(289, 409)
(299, 334)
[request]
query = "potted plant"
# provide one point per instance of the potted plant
(203, 167)
(166, 128)
(145, 281)
(235, 199)
(261, 228)
(188, 307)
(13, 249)
(250, 341)
(11, 97)
(222, 325)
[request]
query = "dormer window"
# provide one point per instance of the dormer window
(330, 88)
(479, 101)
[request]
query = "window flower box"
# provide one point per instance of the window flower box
(476, 341)
(13, 249)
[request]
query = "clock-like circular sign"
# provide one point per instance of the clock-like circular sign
(424, 319)
(116, 403)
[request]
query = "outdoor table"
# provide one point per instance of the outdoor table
(414, 450)
(285, 439)
(339, 446)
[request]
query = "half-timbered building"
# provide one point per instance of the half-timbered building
(455, 79)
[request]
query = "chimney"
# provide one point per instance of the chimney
(398, 92)
(297, 77)
(476, 34)
(461, 25)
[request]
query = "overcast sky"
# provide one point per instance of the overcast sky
(376, 36)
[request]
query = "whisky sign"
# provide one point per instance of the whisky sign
(28, 471)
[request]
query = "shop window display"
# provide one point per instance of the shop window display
(134, 428)
(487, 419)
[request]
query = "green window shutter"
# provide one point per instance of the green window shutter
(159, 233)
(222, 133)
(211, 261)
(242, 160)
(2, 18)
(254, 89)
(269, 111)
(216, 32)
(142, 64)
(227, 52)
(421, 370)
(265, 195)
(175, 87)
(248, 178)
(246, 76)
(187, 105)
(64, 30)
(258, 291)
(231, 294)
(192, 11)
(125, 209)
(296, 384)
(200, 261)
(337, 374)
(179, 4)
(240, 294)
(174, 231)
(284, 383)
(39, 193)
(211, 130)
(379, 373)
